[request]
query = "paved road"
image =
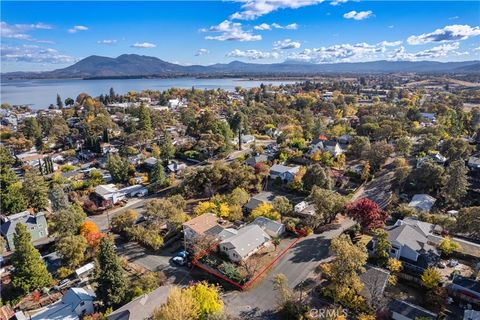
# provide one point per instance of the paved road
(260, 302)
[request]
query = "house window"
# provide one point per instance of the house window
(82, 303)
(393, 251)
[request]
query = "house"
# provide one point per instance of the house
(374, 282)
(274, 133)
(247, 138)
(176, 167)
(271, 227)
(304, 208)
(437, 158)
(109, 194)
(422, 202)
(411, 244)
(345, 139)
(466, 287)
(284, 173)
(203, 225)
(333, 147)
(142, 307)
(253, 160)
(246, 242)
(85, 271)
(428, 116)
(258, 199)
(474, 162)
(36, 225)
(75, 303)
(176, 103)
(402, 310)
(327, 96)
(150, 162)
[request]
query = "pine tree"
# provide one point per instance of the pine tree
(37, 191)
(456, 186)
(157, 176)
(111, 287)
(59, 102)
(167, 149)
(30, 271)
(145, 123)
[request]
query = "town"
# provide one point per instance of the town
(334, 198)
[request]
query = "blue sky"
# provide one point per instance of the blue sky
(50, 35)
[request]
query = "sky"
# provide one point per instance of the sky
(47, 35)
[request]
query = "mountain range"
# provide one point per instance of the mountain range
(132, 65)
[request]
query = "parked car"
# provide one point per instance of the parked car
(442, 265)
(179, 260)
(453, 263)
(62, 284)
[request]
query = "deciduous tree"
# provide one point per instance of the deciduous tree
(367, 213)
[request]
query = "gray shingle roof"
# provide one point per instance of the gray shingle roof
(410, 311)
(247, 239)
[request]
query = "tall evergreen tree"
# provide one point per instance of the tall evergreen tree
(37, 190)
(30, 271)
(167, 149)
(456, 185)
(58, 198)
(145, 123)
(157, 176)
(111, 287)
(59, 102)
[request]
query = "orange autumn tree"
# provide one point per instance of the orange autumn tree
(90, 231)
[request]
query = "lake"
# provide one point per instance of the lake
(40, 94)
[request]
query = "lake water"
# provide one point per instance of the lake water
(41, 93)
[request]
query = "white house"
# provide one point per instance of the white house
(333, 147)
(85, 271)
(285, 173)
(75, 303)
(271, 227)
(422, 202)
(109, 193)
(247, 138)
(246, 242)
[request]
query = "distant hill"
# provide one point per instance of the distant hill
(132, 65)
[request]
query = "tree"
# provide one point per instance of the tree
(238, 197)
(90, 231)
(58, 198)
(31, 129)
(456, 149)
(144, 121)
(237, 123)
(157, 177)
(124, 220)
(431, 278)
(118, 167)
(378, 154)
(179, 306)
(167, 149)
(468, 221)
(429, 178)
(448, 246)
(59, 102)
(112, 287)
(327, 204)
(345, 284)
(13, 199)
(316, 175)
(67, 221)
(403, 146)
(72, 250)
(282, 205)
(69, 102)
(207, 297)
(29, 270)
(402, 170)
(265, 210)
(456, 185)
(37, 191)
(367, 213)
(382, 246)
(358, 145)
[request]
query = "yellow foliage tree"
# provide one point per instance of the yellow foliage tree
(205, 207)
(207, 297)
(265, 210)
(448, 246)
(179, 306)
(431, 278)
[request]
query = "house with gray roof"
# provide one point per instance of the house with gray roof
(474, 162)
(253, 160)
(143, 306)
(246, 242)
(258, 199)
(36, 225)
(271, 227)
(374, 283)
(284, 173)
(411, 244)
(75, 304)
(422, 202)
(402, 310)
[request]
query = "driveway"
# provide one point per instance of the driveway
(260, 302)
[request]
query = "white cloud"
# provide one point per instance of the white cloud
(391, 26)
(390, 43)
(252, 9)
(440, 51)
(266, 26)
(75, 29)
(338, 2)
(453, 18)
(143, 45)
(449, 33)
(107, 42)
(34, 54)
(202, 52)
(231, 31)
(20, 31)
(286, 44)
(361, 15)
(253, 54)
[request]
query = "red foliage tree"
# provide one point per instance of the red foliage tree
(367, 213)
